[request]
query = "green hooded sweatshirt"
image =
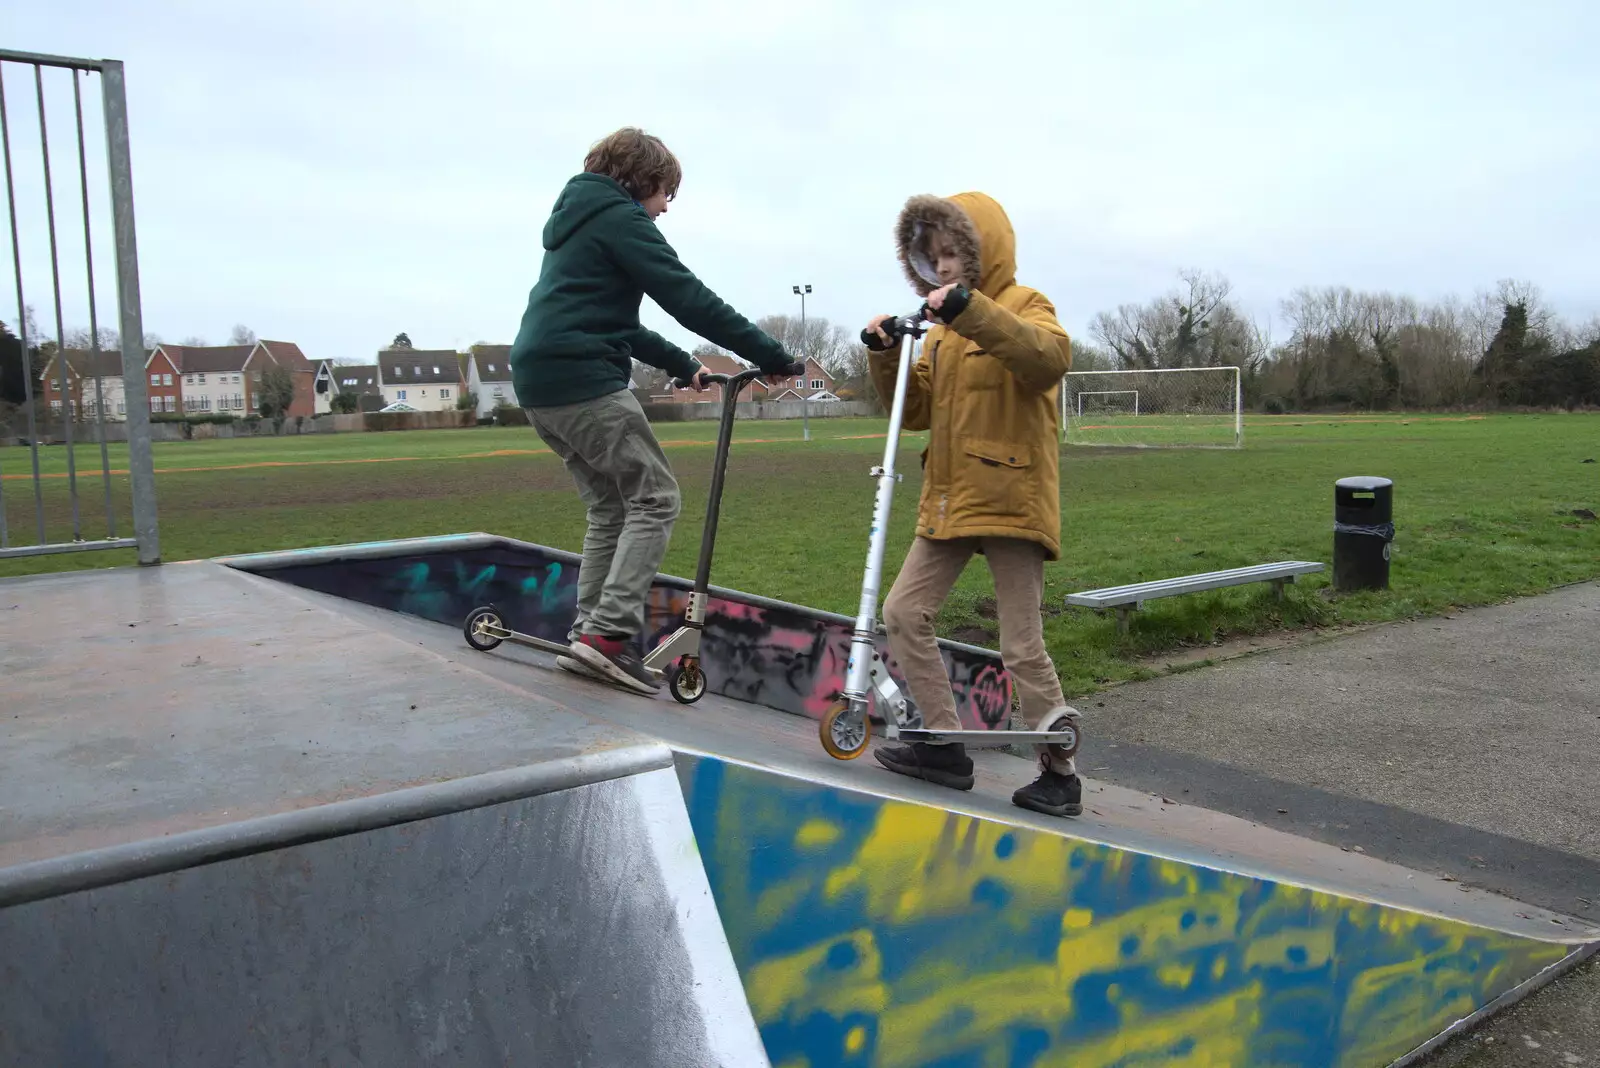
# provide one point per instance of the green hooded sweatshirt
(603, 253)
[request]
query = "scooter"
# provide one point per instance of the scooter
(846, 728)
(677, 658)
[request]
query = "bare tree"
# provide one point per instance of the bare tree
(1197, 325)
(242, 335)
(195, 342)
(78, 338)
(818, 339)
(275, 395)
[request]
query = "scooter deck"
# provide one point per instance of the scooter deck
(907, 734)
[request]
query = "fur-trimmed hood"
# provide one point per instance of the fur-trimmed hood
(977, 226)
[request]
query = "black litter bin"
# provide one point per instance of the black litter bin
(1363, 527)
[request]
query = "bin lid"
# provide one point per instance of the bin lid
(1366, 483)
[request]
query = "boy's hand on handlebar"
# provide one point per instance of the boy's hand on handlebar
(875, 329)
(949, 301)
(698, 383)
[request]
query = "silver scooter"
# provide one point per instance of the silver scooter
(846, 728)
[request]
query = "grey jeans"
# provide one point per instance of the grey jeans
(626, 483)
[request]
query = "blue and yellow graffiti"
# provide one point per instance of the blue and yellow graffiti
(871, 931)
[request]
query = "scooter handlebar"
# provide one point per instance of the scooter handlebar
(897, 327)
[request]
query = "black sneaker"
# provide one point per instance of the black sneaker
(947, 765)
(1052, 794)
(613, 660)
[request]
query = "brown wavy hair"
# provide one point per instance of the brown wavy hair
(638, 160)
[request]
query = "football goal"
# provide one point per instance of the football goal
(1175, 407)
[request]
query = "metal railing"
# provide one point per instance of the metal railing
(72, 385)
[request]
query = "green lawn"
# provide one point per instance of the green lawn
(1484, 511)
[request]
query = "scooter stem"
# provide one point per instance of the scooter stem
(862, 644)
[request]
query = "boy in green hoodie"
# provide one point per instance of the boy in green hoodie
(571, 365)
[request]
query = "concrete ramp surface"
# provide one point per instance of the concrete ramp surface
(246, 819)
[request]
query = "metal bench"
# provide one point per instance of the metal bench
(1126, 599)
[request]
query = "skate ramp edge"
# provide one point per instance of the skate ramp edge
(761, 651)
(876, 931)
(556, 914)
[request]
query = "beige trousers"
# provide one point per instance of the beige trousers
(929, 573)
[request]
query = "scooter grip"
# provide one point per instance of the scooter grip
(798, 367)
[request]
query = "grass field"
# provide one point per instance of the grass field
(1483, 506)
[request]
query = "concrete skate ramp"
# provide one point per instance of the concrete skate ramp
(237, 829)
(871, 930)
(570, 927)
(242, 821)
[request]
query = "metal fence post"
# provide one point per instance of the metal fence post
(141, 464)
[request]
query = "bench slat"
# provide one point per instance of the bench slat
(1210, 580)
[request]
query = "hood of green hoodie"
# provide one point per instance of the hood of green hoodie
(584, 197)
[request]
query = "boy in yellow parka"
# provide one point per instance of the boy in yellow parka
(985, 388)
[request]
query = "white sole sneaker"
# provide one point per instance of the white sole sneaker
(607, 672)
(577, 667)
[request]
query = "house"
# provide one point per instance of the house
(427, 380)
(488, 373)
(362, 380)
(83, 391)
(721, 363)
(313, 382)
(166, 380)
(215, 379)
(817, 384)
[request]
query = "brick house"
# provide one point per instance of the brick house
(82, 389)
(166, 380)
(721, 363)
(427, 380)
(313, 381)
(817, 384)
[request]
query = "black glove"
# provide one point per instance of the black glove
(955, 302)
(871, 340)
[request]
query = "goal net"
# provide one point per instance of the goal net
(1172, 407)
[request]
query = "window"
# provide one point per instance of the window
(400, 394)
(444, 394)
(816, 383)
(236, 379)
(166, 380)
(202, 378)
(155, 404)
(155, 380)
(55, 407)
(188, 380)
(435, 370)
(122, 407)
(416, 372)
(499, 391)
(491, 369)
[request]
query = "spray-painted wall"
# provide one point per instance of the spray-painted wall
(782, 656)
(878, 932)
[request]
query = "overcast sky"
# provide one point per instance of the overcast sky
(336, 172)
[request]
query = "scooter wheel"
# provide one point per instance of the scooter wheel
(484, 629)
(844, 737)
(687, 682)
(1064, 722)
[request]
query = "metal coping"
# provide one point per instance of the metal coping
(260, 563)
(1528, 986)
(91, 869)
